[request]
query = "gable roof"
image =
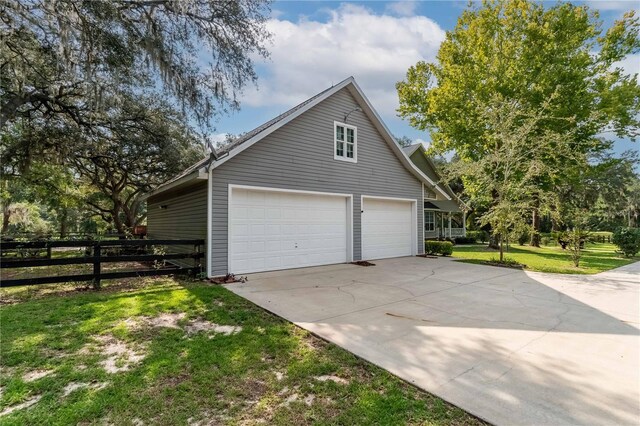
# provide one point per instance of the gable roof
(248, 139)
(411, 149)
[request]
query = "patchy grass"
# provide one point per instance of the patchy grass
(168, 351)
(596, 258)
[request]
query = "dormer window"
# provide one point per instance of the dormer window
(345, 142)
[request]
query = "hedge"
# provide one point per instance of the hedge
(444, 248)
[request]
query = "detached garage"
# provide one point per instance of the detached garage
(322, 183)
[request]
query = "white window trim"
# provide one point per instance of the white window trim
(434, 221)
(355, 143)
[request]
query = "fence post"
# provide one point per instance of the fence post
(96, 266)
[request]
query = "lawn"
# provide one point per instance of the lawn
(167, 351)
(597, 257)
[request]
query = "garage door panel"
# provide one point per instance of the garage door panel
(387, 228)
(285, 230)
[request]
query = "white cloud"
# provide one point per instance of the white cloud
(630, 64)
(402, 8)
(218, 137)
(622, 5)
(308, 56)
(423, 142)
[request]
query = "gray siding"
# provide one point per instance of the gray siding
(421, 162)
(300, 156)
(184, 218)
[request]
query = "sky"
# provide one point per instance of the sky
(316, 44)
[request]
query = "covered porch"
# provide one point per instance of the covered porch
(443, 219)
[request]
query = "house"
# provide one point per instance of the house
(322, 183)
(443, 217)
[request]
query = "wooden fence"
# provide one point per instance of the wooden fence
(97, 253)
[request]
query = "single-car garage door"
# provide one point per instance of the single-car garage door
(387, 228)
(271, 230)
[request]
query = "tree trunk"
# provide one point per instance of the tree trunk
(63, 222)
(6, 216)
(501, 248)
(535, 232)
(494, 242)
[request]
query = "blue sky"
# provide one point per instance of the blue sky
(318, 43)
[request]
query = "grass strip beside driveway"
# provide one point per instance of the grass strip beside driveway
(596, 257)
(179, 352)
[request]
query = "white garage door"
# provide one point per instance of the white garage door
(281, 230)
(387, 228)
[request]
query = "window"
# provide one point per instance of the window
(429, 221)
(345, 142)
(429, 194)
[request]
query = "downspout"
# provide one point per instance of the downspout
(212, 159)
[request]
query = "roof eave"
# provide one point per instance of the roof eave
(198, 174)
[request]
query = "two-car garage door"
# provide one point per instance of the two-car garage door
(271, 229)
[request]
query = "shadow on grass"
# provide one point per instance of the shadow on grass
(219, 378)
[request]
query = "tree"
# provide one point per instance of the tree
(534, 55)
(404, 141)
(111, 91)
(59, 57)
(505, 177)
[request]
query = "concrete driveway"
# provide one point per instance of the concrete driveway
(508, 346)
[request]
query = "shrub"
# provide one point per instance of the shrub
(523, 238)
(464, 240)
(546, 241)
(444, 248)
(478, 235)
(507, 261)
(627, 240)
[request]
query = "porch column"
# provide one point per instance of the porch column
(450, 225)
(464, 223)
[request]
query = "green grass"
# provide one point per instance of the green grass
(184, 377)
(596, 258)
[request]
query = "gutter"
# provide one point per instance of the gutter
(209, 171)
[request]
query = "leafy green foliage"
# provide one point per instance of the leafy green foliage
(444, 248)
(575, 240)
(478, 236)
(61, 60)
(522, 92)
(627, 240)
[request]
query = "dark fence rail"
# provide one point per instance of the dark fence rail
(96, 256)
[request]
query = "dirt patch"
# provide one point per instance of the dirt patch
(74, 386)
(34, 375)
(309, 399)
(164, 320)
(335, 379)
(28, 403)
(228, 279)
(120, 356)
(363, 263)
(200, 326)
